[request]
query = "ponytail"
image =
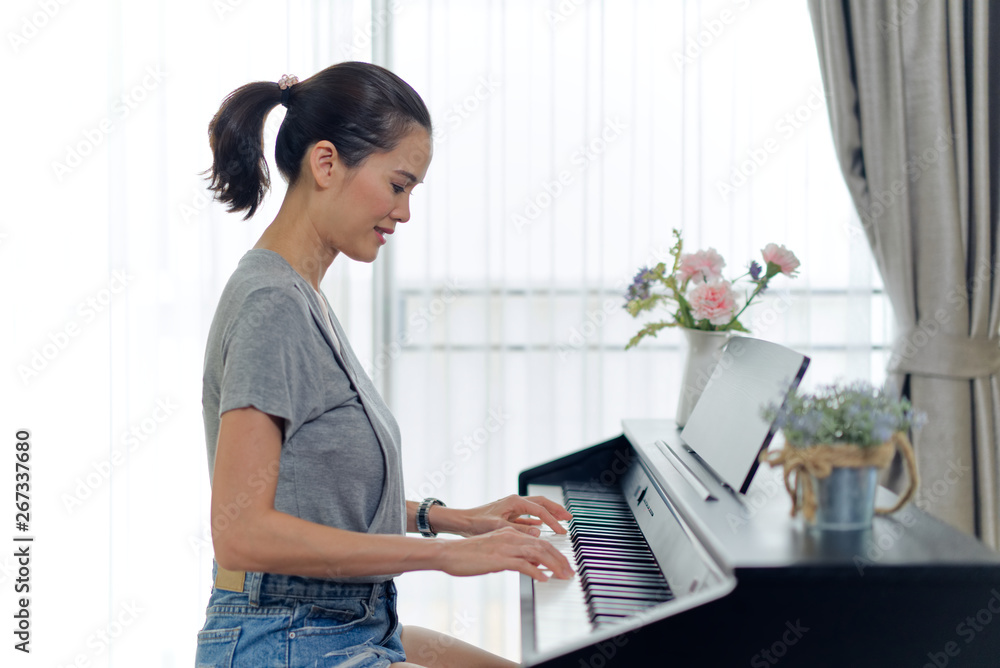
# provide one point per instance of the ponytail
(239, 174)
(359, 107)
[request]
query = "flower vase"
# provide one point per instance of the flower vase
(703, 352)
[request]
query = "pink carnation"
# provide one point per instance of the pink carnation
(713, 302)
(782, 257)
(707, 264)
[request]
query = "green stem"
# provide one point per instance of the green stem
(757, 290)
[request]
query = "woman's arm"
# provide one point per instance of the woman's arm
(509, 511)
(249, 534)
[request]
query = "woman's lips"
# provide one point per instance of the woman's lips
(381, 232)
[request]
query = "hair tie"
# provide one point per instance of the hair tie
(285, 83)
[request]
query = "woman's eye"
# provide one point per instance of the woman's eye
(397, 188)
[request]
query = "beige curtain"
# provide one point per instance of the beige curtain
(915, 118)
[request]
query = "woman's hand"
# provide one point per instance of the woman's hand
(507, 512)
(506, 549)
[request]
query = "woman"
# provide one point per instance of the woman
(308, 514)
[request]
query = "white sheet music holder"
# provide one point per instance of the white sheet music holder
(726, 431)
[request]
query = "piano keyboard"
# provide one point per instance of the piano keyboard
(617, 574)
(618, 571)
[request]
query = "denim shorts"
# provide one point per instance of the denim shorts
(285, 621)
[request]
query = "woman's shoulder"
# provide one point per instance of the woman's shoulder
(263, 285)
(262, 269)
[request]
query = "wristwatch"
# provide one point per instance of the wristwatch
(423, 525)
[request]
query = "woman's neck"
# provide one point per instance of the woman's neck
(293, 236)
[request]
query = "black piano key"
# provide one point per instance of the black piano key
(604, 564)
(629, 593)
(626, 579)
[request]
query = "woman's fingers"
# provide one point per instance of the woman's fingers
(507, 549)
(556, 509)
(524, 519)
(537, 506)
(543, 553)
(533, 572)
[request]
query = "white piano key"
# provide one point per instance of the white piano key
(560, 608)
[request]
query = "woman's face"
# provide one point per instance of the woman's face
(375, 196)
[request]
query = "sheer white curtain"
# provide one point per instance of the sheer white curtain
(572, 136)
(112, 259)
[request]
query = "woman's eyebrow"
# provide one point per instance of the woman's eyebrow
(409, 176)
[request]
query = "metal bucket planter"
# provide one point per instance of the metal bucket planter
(833, 485)
(845, 499)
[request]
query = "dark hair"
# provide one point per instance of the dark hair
(359, 107)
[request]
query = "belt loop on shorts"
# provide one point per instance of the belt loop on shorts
(376, 592)
(254, 580)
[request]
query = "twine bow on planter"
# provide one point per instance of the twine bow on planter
(818, 461)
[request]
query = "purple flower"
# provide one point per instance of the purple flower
(640, 286)
(755, 270)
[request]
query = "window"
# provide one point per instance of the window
(571, 138)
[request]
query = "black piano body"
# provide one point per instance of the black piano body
(760, 588)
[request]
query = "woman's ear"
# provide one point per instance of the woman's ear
(324, 163)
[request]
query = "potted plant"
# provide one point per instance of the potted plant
(836, 441)
(704, 305)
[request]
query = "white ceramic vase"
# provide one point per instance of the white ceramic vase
(703, 352)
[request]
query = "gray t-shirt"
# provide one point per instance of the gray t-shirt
(271, 347)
